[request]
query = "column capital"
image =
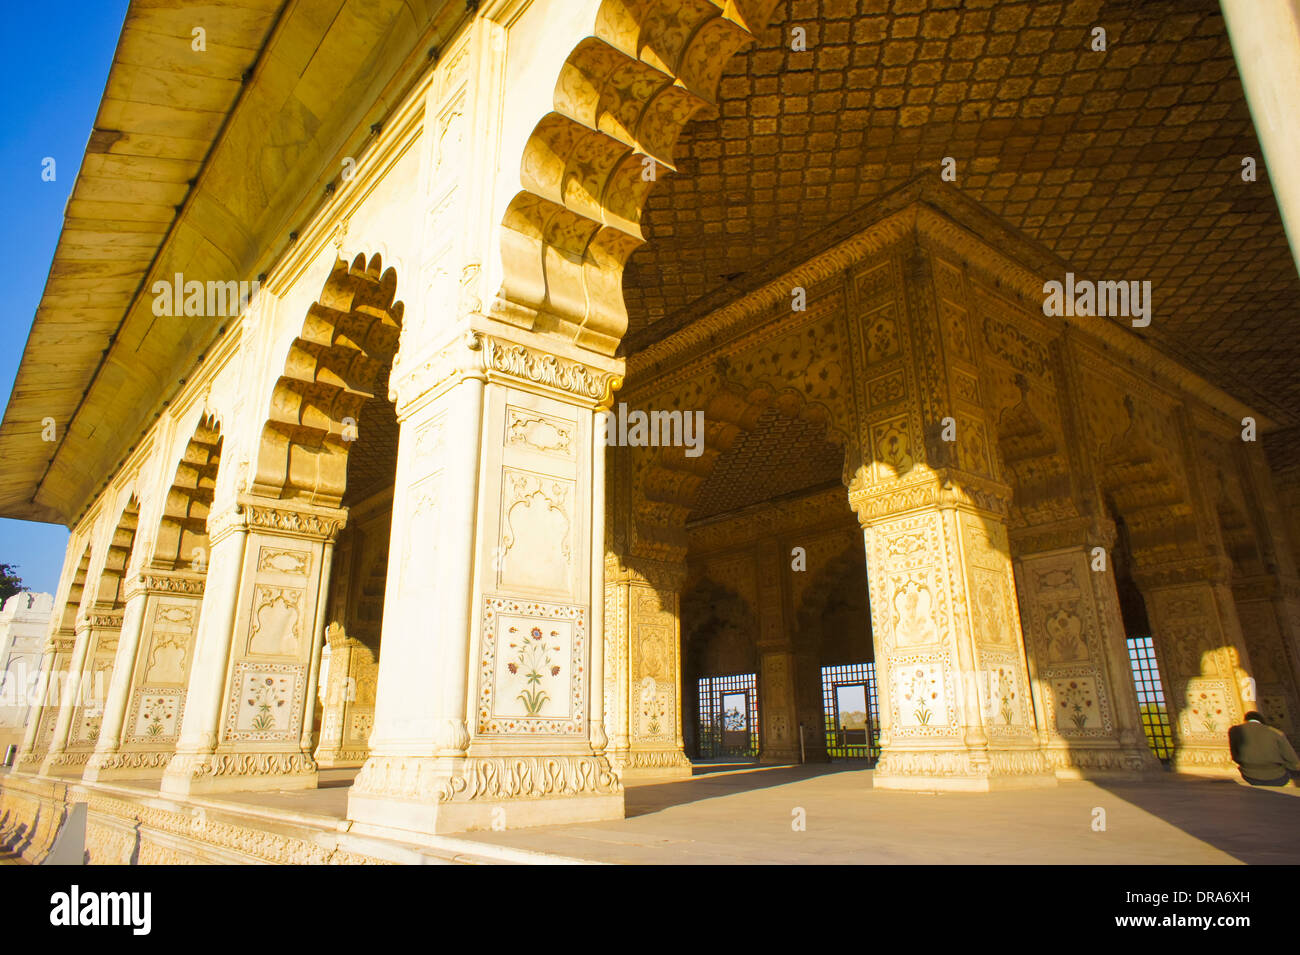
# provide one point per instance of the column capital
(1207, 569)
(251, 512)
(489, 355)
(629, 569)
(181, 583)
(943, 489)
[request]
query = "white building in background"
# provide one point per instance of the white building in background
(24, 622)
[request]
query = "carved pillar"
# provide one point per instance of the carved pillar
(247, 723)
(955, 710)
(950, 659)
(146, 700)
(1078, 657)
(777, 666)
(349, 702)
(1267, 616)
(483, 709)
(81, 707)
(1202, 657)
(49, 691)
(643, 666)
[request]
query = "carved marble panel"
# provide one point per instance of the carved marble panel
(278, 620)
(532, 668)
(537, 521)
(266, 702)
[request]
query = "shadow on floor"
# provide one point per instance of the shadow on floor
(1259, 826)
(712, 779)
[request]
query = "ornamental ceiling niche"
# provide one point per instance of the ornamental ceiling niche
(1125, 163)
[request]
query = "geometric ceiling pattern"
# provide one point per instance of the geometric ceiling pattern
(1125, 163)
(778, 456)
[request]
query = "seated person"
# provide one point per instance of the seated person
(1263, 754)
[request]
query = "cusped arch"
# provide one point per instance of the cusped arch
(1144, 481)
(622, 98)
(719, 630)
(109, 591)
(338, 362)
(666, 481)
(182, 538)
(76, 590)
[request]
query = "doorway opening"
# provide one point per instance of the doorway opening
(728, 727)
(852, 711)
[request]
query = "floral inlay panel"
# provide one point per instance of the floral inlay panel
(156, 715)
(266, 702)
(923, 699)
(1076, 705)
(532, 668)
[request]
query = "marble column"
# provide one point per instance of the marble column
(247, 721)
(1202, 657)
(484, 704)
(146, 699)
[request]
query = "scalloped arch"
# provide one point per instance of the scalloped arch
(621, 101)
(337, 363)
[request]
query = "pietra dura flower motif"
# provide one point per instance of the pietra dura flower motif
(533, 656)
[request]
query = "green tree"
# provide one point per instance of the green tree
(10, 582)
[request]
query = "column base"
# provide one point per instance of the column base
(402, 796)
(140, 765)
(1205, 761)
(959, 770)
(1093, 762)
(64, 765)
(640, 764)
(195, 773)
(344, 759)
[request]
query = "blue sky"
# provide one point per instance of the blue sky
(56, 61)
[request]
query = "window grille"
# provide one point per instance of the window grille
(852, 710)
(729, 716)
(1151, 696)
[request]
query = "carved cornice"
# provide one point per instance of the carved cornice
(941, 489)
(458, 359)
(1059, 535)
(525, 364)
(1263, 587)
(252, 513)
(165, 582)
(476, 353)
(646, 571)
(105, 619)
(1191, 570)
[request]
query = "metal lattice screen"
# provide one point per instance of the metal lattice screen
(852, 710)
(729, 716)
(1151, 696)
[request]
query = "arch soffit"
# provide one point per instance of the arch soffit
(622, 98)
(338, 361)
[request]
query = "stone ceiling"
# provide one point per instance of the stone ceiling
(779, 456)
(1126, 163)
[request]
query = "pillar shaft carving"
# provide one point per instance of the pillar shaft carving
(643, 665)
(146, 699)
(488, 695)
(248, 706)
(1202, 657)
